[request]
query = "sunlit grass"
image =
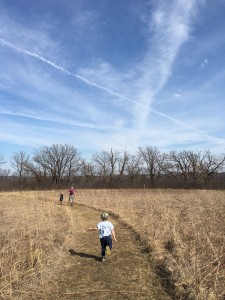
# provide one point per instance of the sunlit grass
(31, 228)
(184, 230)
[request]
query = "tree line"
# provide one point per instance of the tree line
(58, 166)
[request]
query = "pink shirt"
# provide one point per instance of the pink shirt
(72, 191)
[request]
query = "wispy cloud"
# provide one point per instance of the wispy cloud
(170, 26)
(169, 32)
(34, 37)
(143, 103)
(50, 88)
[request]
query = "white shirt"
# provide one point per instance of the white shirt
(105, 228)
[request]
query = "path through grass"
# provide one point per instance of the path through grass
(81, 274)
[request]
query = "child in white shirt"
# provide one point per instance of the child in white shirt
(106, 231)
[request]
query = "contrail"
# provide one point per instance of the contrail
(109, 91)
(91, 83)
(174, 120)
(187, 126)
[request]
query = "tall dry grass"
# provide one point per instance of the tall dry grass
(185, 232)
(31, 230)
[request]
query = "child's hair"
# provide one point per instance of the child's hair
(104, 216)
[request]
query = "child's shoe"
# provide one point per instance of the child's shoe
(103, 258)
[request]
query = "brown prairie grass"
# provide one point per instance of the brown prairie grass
(30, 229)
(184, 231)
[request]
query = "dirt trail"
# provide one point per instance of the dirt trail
(81, 274)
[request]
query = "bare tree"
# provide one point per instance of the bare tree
(2, 161)
(113, 160)
(87, 169)
(183, 166)
(5, 173)
(102, 163)
(178, 165)
(192, 167)
(110, 164)
(123, 162)
(151, 159)
(210, 164)
(134, 168)
(57, 161)
(19, 161)
(36, 171)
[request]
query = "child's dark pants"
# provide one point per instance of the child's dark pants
(106, 241)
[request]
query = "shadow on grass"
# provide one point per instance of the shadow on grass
(82, 254)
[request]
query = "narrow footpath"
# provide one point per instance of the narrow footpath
(126, 273)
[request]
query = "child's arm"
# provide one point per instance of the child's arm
(92, 229)
(114, 235)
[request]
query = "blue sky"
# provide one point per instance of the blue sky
(109, 74)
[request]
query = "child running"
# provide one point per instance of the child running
(61, 198)
(106, 231)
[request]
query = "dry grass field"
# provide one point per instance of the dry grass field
(30, 229)
(185, 232)
(182, 230)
